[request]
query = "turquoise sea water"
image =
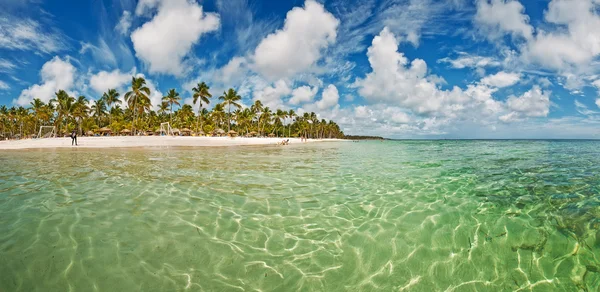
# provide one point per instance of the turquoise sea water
(368, 216)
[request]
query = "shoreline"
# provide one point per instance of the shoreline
(147, 142)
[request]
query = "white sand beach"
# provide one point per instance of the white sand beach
(146, 141)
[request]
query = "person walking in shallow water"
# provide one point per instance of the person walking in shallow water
(74, 138)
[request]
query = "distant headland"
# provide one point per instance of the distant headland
(353, 137)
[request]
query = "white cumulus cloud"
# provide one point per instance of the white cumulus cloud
(103, 80)
(499, 16)
(465, 60)
(576, 45)
(329, 97)
(533, 103)
(303, 94)
(501, 79)
(271, 96)
(396, 81)
(298, 46)
(164, 42)
(566, 43)
(233, 70)
(56, 74)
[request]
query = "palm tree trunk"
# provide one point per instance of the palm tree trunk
(229, 118)
(198, 120)
(263, 127)
(133, 124)
(258, 126)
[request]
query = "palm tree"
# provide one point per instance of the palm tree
(217, 114)
(63, 103)
(280, 116)
(163, 108)
(265, 116)
(115, 112)
(139, 94)
(111, 97)
(292, 115)
(37, 105)
(3, 119)
(313, 121)
(66, 112)
(257, 108)
(99, 110)
(230, 98)
(204, 116)
(11, 119)
(80, 111)
(201, 95)
(145, 106)
(244, 119)
(184, 115)
(171, 98)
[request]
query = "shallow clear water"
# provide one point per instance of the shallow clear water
(368, 216)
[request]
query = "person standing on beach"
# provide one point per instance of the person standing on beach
(74, 137)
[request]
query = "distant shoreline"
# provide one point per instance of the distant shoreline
(147, 142)
(358, 137)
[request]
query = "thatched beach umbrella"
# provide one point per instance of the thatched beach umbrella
(186, 131)
(149, 133)
(219, 132)
(232, 133)
(105, 131)
(89, 133)
(201, 133)
(253, 133)
(125, 131)
(271, 135)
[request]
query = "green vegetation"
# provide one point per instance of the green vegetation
(68, 113)
(351, 137)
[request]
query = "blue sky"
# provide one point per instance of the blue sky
(402, 69)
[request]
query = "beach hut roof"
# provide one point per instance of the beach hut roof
(105, 129)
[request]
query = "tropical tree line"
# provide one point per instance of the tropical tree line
(67, 113)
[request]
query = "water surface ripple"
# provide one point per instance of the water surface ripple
(369, 216)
